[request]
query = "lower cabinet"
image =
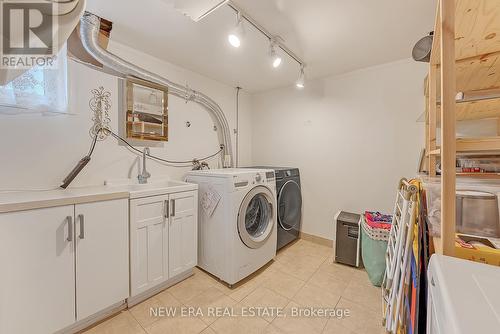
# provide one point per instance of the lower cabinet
(37, 280)
(183, 233)
(163, 238)
(148, 243)
(61, 265)
(102, 264)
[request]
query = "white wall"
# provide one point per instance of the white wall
(352, 136)
(328, 130)
(39, 150)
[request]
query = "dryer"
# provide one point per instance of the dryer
(289, 199)
(236, 222)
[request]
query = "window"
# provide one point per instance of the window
(39, 89)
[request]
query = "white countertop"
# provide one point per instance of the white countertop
(18, 201)
(29, 200)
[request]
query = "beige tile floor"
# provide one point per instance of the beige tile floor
(302, 275)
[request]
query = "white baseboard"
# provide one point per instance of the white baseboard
(316, 239)
(132, 301)
(94, 319)
(128, 303)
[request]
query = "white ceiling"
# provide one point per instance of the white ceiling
(332, 36)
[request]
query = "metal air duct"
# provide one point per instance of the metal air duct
(89, 34)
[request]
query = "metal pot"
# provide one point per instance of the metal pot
(477, 213)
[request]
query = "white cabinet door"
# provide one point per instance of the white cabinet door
(183, 237)
(148, 243)
(102, 266)
(37, 282)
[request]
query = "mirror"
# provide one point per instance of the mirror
(147, 110)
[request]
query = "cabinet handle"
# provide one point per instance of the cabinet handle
(69, 219)
(82, 226)
(167, 209)
(173, 208)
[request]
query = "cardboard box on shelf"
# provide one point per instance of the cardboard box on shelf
(478, 249)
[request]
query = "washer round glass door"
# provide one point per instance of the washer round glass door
(289, 206)
(255, 218)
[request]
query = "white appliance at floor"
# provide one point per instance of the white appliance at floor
(236, 222)
(463, 296)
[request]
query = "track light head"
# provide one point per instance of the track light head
(276, 62)
(273, 51)
(301, 80)
(236, 35)
(234, 40)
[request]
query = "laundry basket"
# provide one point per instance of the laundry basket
(373, 247)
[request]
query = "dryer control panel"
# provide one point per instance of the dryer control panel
(262, 177)
(254, 178)
(270, 176)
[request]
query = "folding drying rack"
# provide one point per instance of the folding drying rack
(398, 254)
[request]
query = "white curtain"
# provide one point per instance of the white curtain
(39, 89)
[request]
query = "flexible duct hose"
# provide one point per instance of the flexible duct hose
(89, 32)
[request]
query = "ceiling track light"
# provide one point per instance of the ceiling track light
(277, 47)
(236, 35)
(301, 80)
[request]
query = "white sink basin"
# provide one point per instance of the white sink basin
(152, 188)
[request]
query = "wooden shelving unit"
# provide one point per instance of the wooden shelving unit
(480, 175)
(465, 59)
(474, 145)
(479, 109)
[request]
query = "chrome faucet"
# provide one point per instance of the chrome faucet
(144, 175)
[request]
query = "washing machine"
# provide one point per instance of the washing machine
(236, 222)
(289, 199)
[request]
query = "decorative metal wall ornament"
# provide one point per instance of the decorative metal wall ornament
(100, 105)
